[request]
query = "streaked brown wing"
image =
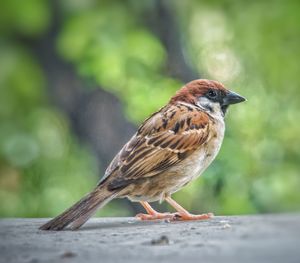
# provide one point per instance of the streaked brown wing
(165, 139)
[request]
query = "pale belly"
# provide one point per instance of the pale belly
(156, 189)
(193, 167)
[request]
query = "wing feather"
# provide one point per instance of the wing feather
(164, 140)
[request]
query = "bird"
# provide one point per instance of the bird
(170, 149)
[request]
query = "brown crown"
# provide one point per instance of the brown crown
(196, 88)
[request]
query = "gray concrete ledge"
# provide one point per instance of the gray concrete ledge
(263, 238)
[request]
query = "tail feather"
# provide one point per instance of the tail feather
(77, 223)
(81, 211)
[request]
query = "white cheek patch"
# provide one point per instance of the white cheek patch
(213, 108)
(205, 104)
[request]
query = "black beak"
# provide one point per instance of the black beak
(232, 98)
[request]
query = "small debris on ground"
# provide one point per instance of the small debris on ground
(225, 226)
(223, 221)
(163, 240)
(68, 254)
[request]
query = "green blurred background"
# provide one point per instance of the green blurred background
(78, 76)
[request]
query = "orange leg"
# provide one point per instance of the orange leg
(152, 214)
(184, 214)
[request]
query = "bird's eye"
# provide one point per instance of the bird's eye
(212, 94)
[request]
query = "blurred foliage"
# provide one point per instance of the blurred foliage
(36, 146)
(123, 57)
(253, 47)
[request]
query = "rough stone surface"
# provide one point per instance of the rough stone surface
(263, 238)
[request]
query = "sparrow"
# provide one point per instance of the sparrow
(170, 149)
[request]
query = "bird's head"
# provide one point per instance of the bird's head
(208, 95)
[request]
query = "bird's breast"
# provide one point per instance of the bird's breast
(194, 165)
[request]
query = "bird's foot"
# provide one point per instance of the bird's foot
(188, 216)
(155, 216)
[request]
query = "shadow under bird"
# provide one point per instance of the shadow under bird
(171, 148)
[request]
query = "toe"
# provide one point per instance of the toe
(200, 217)
(185, 217)
(155, 216)
(143, 216)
